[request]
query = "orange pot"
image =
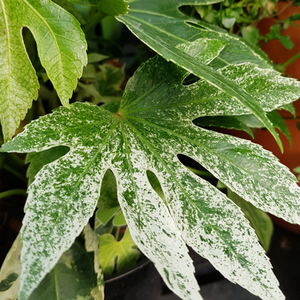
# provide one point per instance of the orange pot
(279, 55)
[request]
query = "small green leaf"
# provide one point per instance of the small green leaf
(108, 195)
(96, 57)
(279, 123)
(113, 8)
(121, 254)
(119, 219)
(105, 215)
(295, 17)
(250, 34)
(228, 22)
(286, 42)
(107, 87)
(109, 82)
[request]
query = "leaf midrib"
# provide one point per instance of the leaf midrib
(148, 92)
(145, 142)
(8, 42)
(51, 32)
(131, 172)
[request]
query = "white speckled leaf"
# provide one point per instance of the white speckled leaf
(61, 48)
(181, 40)
(153, 125)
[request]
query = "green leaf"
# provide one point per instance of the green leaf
(228, 22)
(275, 33)
(108, 196)
(120, 254)
(286, 42)
(224, 122)
(96, 57)
(279, 123)
(148, 132)
(113, 8)
(86, 2)
(119, 219)
(105, 215)
(70, 7)
(107, 88)
(61, 48)
(250, 34)
(259, 220)
(192, 45)
(10, 272)
(109, 82)
(73, 277)
(295, 17)
(244, 122)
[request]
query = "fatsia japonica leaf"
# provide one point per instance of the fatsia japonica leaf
(61, 47)
(193, 44)
(154, 125)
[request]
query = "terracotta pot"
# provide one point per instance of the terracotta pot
(276, 51)
(279, 55)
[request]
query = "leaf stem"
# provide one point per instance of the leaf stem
(14, 172)
(96, 19)
(13, 193)
(292, 59)
(117, 233)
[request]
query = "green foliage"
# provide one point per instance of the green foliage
(61, 47)
(141, 136)
(194, 45)
(121, 254)
(120, 161)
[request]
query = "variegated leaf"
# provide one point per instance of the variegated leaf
(193, 44)
(152, 126)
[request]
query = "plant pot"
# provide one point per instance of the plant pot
(143, 282)
(279, 55)
(276, 51)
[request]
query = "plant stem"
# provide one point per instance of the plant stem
(117, 233)
(13, 193)
(14, 172)
(292, 59)
(96, 18)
